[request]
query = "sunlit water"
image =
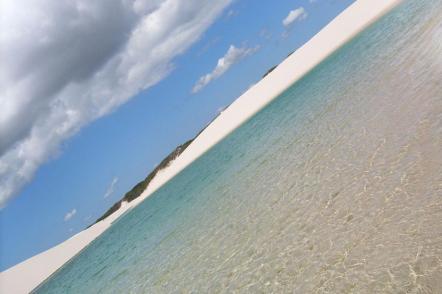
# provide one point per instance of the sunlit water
(334, 187)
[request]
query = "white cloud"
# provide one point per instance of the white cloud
(70, 215)
(232, 13)
(295, 15)
(266, 34)
(111, 187)
(67, 63)
(232, 56)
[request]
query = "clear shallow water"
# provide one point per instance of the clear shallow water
(334, 187)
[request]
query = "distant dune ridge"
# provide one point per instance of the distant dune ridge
(139, 188)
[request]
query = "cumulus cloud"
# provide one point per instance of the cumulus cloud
(110, 189)
(232, 56)
(295, 15)
(70, 215)
(67, 63)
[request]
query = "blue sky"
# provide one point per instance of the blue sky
(114, 152)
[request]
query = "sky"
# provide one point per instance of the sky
(94, 94)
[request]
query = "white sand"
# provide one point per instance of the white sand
(27, 275)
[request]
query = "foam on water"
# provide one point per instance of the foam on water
(334, 187)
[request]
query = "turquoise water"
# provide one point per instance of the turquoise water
(334, 187)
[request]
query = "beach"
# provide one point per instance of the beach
(27, 275)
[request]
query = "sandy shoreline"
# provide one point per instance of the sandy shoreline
(27, 275)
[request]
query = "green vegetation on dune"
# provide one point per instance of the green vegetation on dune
(269, 71)
(139, 188)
